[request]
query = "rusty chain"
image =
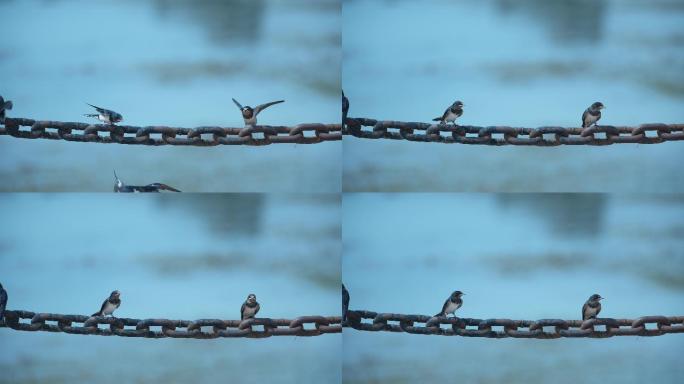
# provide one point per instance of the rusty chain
(161, 135)
(502, 328)
(503, 135)
(300, 326)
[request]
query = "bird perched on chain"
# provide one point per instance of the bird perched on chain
(4, 106)
(345, 303)
(249, 114)
(105, 115)
(120, 187)
(3, 301)
(345, 108)
(592, 114)
(592, 307)
(451, 304)
(109, 305)
(249, 308)
(451, 114)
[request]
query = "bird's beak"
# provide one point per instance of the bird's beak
(600, 298)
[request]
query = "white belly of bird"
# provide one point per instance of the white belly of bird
(452, 307)
(104, 118)
(108, 309)
(251, 121)
(451, 117)
(591, 119)
(592, 312)
(249, 312)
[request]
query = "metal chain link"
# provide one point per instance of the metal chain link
(503, 135)
(161, 135)
(535, 329)
(300, 326)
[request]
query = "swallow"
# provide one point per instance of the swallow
(345, 303)
(345, 108)
(592, 307)
(249, 114)
(4, 105)
(120, 187)
(3, 301)
(105, 115)
(451, 304)
(451, 114)
(109, 305)
(592, 114)
(249, 308)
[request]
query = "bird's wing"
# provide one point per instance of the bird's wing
(238, 104)
(101, 110)
(163, 187)
(257, 309)
(8, 104)
(104, 304)
(584, 311)
(444, 307)
(261, 107)
(3, 301)
(242, 311)
(584, 117)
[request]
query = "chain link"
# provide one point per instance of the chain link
(161, 135)
(300, 326)
(502, 135)
(502, 328)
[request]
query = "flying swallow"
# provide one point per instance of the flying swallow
(105, 115)
(345, 108)
(4, 105)
(119, 186)
(249, 114)
(3, 301)
(249, 308)
(451, 114)
(345, 303)
(451, 304)
(592, 114)
(109, 305)
(592, 307)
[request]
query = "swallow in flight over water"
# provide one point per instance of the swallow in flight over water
(345, 303)
(3, 301)
(345, 107)
(451, 114)
(249, 114)
(105, 115)
(249, 308)
(451, 304)
(592, 114)
(4, 106)
(119, 186)
(592, 307)
(109, 305)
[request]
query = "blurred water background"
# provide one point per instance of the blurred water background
(519, 257)
(522, 63)
(177, 257)
(175, 63)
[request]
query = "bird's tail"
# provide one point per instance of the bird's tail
(438, 315)
(91, 115)
(168, 188)
(96, 314)
(437, 119)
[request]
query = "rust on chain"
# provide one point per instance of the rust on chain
(503, 135)
(503, 328)
(161, 135)
(195, 329)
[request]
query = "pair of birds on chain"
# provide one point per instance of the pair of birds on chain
(249, 114)
(248, 310)
(590, 309)
(590, 116)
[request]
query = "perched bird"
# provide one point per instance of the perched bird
(345, 303)
(109, 305)
(592, 114)
(345, 108)
(592, 307)
(249, 308)
(119, 186)
(4, 105)
(249, 114)
(451, 304)
(3, 301)
(105, 115)
(451, 114)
